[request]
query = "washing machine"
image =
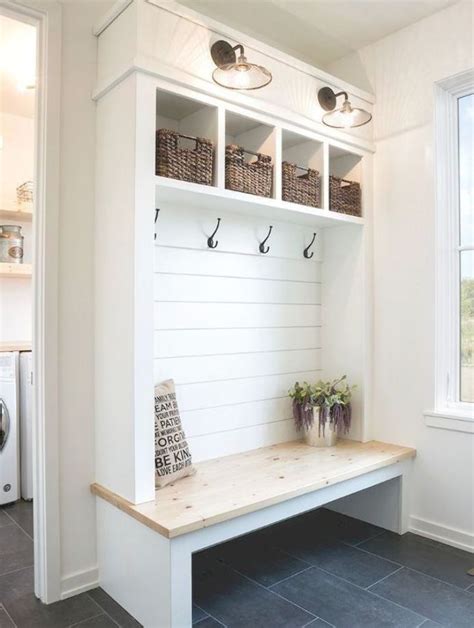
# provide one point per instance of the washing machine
(26, 424)
(9, 428)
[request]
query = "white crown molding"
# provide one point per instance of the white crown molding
(223, 30)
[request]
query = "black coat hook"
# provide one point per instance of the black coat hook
(157, 211)
(210, 240)
(262, 248)
(306, 251)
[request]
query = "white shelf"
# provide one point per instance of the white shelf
(17, 213)
(15, 345)
(181, 193)
(21, 271)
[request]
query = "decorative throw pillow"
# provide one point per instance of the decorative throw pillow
(172, 455)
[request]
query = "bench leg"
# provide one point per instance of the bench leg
(149, 575)
(181, 584)
(404, 498)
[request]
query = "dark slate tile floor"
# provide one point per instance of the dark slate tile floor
(317, 570)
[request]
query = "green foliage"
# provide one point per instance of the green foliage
(300, 392)
(323, 393)
(467, 322)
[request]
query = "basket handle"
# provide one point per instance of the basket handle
(310, 171)
(260, 156)
(198, 140)
(349, 183)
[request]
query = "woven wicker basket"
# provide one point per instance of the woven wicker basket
(304, 189)
(344, 196)
(252, 178)
(186, 164)
(24, 192)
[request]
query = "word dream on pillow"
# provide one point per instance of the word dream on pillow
(172, 456)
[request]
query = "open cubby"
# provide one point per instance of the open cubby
(188, 117)
(305, 153)
(253, 136)
(345, 165)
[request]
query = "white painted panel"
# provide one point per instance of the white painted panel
(233, 290)
(234, 328)
(224, 367)
(228, 418)
(176, 342)
(237, 391)
(228, 264)
(228, 443)
(229, 315)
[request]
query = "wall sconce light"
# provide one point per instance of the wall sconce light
(235, 72)
(345, 117)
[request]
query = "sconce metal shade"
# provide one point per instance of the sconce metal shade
(347, 116)
(235, 72)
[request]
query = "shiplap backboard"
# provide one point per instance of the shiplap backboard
(234, 328)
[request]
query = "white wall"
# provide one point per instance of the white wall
(16, 155)
(401, 70)
(16, 167)
(76, 292)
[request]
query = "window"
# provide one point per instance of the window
(454, 158)
(466, 246)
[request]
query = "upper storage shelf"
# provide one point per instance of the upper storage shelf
(224, 157)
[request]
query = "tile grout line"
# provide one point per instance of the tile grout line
(421, 573)
(11, 522)
(18, 525)
(201, 609)
(8, 573)
(381, 597)
(384, 578)
(274, 592)
(78, 623)
(114, 621)
(320, 619)
(208, 615)
(103, 611)
(370, 538)
(288, 577)
(8, 615)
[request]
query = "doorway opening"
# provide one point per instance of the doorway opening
(18, 185)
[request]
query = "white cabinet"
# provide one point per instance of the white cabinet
(161, 304)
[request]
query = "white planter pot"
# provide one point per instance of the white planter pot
(324, 436)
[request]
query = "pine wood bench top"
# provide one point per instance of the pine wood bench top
(228, 487)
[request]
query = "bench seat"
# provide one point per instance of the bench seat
(145, 550)
(229, 487)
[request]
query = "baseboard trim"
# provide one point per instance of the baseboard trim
(443, 534)
(79, 582)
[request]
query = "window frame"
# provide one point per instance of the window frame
(447, 401)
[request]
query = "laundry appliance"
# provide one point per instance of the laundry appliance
(26, 424)
(9, 428)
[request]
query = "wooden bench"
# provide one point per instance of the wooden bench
(145, 551)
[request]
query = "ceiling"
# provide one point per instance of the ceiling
(317, 31)
(17, 67)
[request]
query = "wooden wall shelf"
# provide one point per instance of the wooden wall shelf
(19, 271)
(15, 345)
(16, 213)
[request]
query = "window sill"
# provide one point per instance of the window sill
(450, 419)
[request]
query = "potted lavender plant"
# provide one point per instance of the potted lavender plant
(322, 410)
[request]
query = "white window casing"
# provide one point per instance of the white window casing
(449, 412)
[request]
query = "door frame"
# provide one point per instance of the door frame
(46, 16)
